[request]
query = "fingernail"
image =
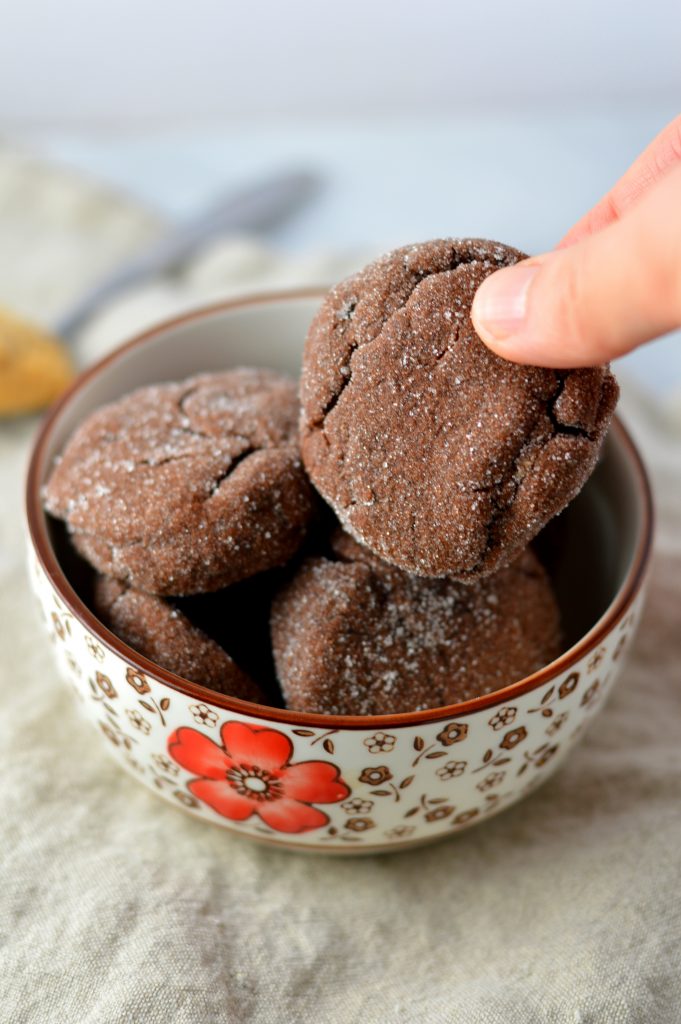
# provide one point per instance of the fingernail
(500, 303)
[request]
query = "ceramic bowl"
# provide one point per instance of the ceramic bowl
(337, 783)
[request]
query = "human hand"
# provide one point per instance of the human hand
(613, 283)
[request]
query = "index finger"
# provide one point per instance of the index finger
(663, 153)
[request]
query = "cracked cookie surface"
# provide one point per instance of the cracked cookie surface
(353, 635)
(187, 487)
(155, 628)
(438, 455)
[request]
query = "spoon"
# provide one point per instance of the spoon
(34, 365)
(254, 209)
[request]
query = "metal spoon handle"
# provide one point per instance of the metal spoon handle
(255, 209)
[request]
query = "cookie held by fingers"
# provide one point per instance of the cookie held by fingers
(438, 455)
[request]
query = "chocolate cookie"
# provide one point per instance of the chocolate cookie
(440, 456)
(155, 628)
(356, 636)
(187, 487)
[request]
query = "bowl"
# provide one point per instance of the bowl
(338, 783)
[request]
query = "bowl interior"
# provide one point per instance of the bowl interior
(589, 550)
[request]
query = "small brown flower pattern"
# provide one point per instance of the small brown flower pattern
(357, 806)
(452, 769)
(465, 816)
(491, 780)
(164, 764)
(503, 717)
(137, 680)
(359, 824)
(94, 649)
(589, 695)
(558, 723)
(380, 742)
(514, 737)
(185, 798)
(114, 733)
(568, 685)
(138, 721)
(539, 757)
(545, 756)
(375, 776)
(454, 732)
(58, 627)
(595, 660)
(400, 832)
(105, 685)
(621, 644)
(438, 813)
(565, 689)
(110, 733)
(203, 714)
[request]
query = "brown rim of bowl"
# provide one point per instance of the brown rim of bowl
(50, 565)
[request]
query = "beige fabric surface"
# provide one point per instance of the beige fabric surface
(115, 907)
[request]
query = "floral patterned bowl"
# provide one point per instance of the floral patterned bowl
(329, 782)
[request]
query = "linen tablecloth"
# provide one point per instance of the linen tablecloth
(115, 907)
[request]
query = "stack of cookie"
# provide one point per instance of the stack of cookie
(440, 461)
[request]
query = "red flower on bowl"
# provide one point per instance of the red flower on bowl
(250, 773)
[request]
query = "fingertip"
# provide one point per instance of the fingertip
(523, 349)
(516, 329)
(500, 305)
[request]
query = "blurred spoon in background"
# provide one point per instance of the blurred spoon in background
(34, 364)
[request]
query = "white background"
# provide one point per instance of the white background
(499, 118)
(96, 62)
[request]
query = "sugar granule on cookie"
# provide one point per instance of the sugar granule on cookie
(438, 455)
(187, 487)
(352, 635)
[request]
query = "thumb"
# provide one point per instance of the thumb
(594, 300)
